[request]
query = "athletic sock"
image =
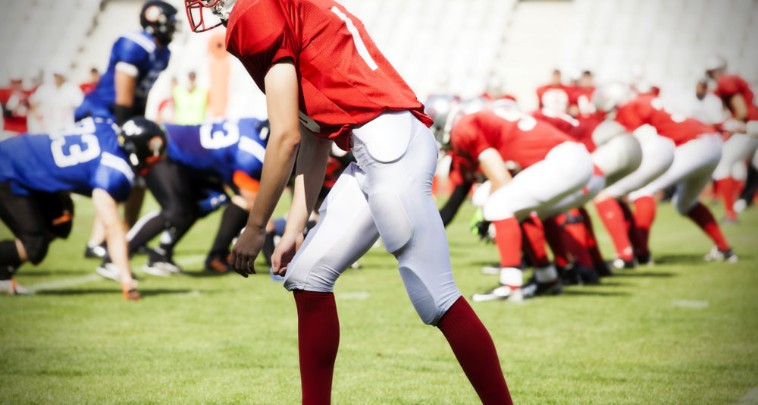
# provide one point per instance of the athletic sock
(508, 241)
(611, 214)
(644, 215)
(475, 351)
(727, 189)
(592, 246)
(318, 335)
(703, 217)
(232, 222)
(555, 241)
(631, 226)
(575, 238)
(534, 241)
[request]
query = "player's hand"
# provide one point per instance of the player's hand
(246, 250)
(284, 252)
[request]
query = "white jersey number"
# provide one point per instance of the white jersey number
(88, 149)
(524, 122)
(212, 136)
(357, 40)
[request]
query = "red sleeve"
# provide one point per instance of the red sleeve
(630, 117)
(259, 36)
(468, 138)
(728, 86)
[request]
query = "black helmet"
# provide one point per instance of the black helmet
(143, 141)
(159, 19)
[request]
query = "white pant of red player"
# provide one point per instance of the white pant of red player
(691, 170)
(657, 157)
(737, 149)
(564, 172)
(387, 193)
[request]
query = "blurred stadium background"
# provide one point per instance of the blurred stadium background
(465, 47)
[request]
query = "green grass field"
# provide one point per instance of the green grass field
(682, 332)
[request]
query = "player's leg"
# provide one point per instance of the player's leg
(24, 217)
(747, 195)
(688, 190)
(399, 172)
(737, 148)
(345, 232)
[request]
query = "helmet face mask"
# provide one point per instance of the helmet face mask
(143, 142)
(197, 11)
(159, 19)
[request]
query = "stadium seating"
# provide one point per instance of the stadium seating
(459, 45)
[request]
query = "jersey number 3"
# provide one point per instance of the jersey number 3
(86, 150)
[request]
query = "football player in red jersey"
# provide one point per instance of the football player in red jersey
(554, 96)
(580, 97)
(697, 153)
(325, 80)
(736, 95)
(499, 139)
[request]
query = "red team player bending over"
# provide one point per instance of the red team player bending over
(325, 80)
(697, 154)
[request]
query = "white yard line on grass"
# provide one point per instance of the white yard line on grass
(360, 295)
(690, 304)
(66, 282)
(751, 398)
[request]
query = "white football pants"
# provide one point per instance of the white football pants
(691, 170)
(657, 157)
(388, 193)
(566, 169)
(737, 149)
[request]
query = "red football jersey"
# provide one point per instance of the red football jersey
(731, 85)
(345, 81)
(581, 97)
(648, 109)
(518, 137)
(579, 130)
(553, 97)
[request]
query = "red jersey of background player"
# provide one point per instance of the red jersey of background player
(518, 138)
(648, 109)
(580, 99)
(345, 81)
(579, 130)
(554, 97)
(729, 86)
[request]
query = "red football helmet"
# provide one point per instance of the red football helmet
(196, 13)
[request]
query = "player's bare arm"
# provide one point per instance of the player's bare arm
(739, 107)
(309, 176)
(107, 213)
(282, 104)
(494, 168)
(125, 86)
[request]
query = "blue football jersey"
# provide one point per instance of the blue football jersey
(220, 148)
(79, 160)
(135, 52)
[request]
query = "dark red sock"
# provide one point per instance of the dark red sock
(592, 246)
(575, 239)
(555, 241)
(631, 227)
(475, 351)
(727, 189)
(534, 241)
(705, 220)
(644, 215)
(508, 241)
(612, 216)
(318, 335)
